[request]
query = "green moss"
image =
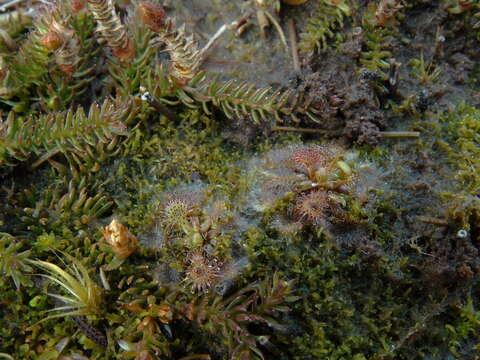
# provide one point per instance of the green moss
(461, 128)
(391, 278)
(325, 24)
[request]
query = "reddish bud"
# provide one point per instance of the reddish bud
(77, 5)
(51, 41)
(148, 325)
(386, 10)
(124, 54)
(67, 69)
(163, 312)
(153, 16)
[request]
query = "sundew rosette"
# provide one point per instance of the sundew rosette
(306, 185)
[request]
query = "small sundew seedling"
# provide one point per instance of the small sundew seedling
(310, 208)
(202, 271)
(179, 207)
(322, 166)
(309, 180)
(198, 237)
(185, 216)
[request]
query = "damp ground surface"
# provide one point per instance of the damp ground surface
(346, 227)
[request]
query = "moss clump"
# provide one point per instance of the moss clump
(297, 247)
(461, 128)
(327, 19)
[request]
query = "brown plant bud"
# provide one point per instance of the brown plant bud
(77, 5)
(144, 355)
(153, 16)
(148, 324)
(51, 40)
(124, 54)
(67, 69)
(163, 312)
(386, 10)
(189, 311)
(120, 238)
(67, 53)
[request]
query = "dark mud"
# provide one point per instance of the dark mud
(386, 268)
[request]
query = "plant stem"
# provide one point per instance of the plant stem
(293, 44)
(432, 220)
(161, 108)
(302, 130)
(400, 134)
(278, 27)
(392, 134)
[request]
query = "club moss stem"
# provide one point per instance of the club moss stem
(302, 130)
(400, 134)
